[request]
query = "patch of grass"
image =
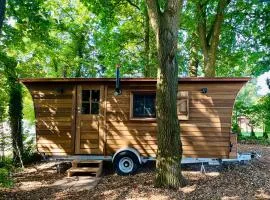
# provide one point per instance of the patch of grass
(247, 134)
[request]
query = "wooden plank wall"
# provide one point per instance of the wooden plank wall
(205, 134)
(54, 117)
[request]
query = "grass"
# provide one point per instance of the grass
(246, 134)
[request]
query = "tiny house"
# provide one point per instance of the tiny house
(90, 116)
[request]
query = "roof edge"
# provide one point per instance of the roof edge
(184, 79)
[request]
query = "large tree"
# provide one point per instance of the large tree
(8, 66)
(164, 17)
(12, 41)
(209, 34)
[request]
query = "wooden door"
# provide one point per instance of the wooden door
(89, 120)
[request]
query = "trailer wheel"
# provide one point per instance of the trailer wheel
(126, 163)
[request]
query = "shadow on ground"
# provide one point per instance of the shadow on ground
(251, 181)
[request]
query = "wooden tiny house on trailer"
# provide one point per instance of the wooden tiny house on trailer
(82, 116)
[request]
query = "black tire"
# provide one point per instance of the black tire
(125, 163)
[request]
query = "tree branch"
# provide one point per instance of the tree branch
(219, 18)
(154, 13)
(133, 4)
(201, 17)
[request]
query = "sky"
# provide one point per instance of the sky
(261, 83)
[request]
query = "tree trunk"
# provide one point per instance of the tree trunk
(79, 51)
(265, 135)
(210, 63)
(2, 13)
(55, 67)
(15, 110)
(146, 45)
(2, 139)
(252, 134)
(64, 71)
(268, 82)
(209, 39)
(165, 25)
(193, 60)
(265, 130)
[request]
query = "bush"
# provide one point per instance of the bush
(265, 135)
(6, 162)
(5, 178)
(236, 129)
(30, 157)
(254, 140)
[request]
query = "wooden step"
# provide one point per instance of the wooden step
(76, 162)
(83, 169)
(97, 169)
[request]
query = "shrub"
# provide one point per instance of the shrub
(265, 135)
(6, 162)
(256, 140)
(30, 157)
(5, 178)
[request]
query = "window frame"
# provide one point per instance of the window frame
(131, 104)
(180, 117)
(184, 97)
(90, 101)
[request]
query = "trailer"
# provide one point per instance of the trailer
(96, 119)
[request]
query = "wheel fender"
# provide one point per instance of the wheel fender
(128, 149)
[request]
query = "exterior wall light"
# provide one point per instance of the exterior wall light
(204, 90)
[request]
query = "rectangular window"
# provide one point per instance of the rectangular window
(144, 105)
(90, 102)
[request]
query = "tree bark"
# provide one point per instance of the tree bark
(2, 13)
(252, 134)
(2, 139)
(265, 135)
(79, 51)
(15, 109)
(265, 130)
(146, 45)
(209, 39)
(55, 67)
(193, 60)
(165, 24)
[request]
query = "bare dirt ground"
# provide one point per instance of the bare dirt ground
(251, 181)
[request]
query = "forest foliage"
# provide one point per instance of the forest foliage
(49, 38)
